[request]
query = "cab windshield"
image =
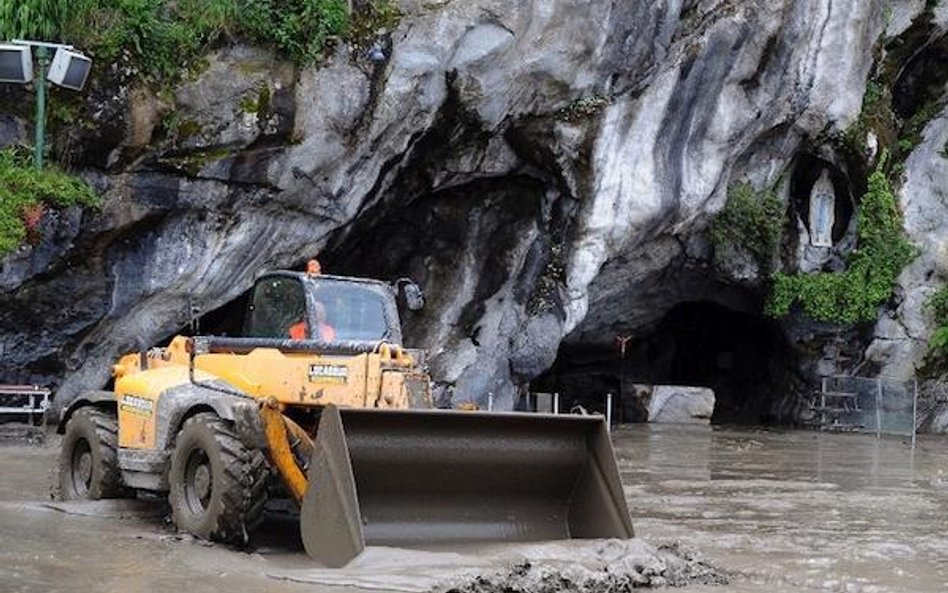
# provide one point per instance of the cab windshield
(278, 305)
(342, 311)
(349, 312)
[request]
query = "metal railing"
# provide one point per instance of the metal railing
(549, 403)
(27, 401)
(880, 405)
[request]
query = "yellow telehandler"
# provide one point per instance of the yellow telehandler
(319, 392)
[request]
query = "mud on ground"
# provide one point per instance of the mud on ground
(123, 545)
(619, 567)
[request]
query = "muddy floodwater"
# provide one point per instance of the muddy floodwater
(774, 511)
(795, 510)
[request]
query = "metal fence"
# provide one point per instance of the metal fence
(549, 403)
(878, 405)
(24, 402)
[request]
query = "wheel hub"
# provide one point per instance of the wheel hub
(198, 482)
(81, 468)
(202, 481)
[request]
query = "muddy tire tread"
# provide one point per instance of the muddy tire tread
(105, 425)
(244, 473)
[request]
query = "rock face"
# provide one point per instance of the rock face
(900, 340)
(676, 404)
(545, 170)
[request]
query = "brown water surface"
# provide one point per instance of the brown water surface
(781, 511)
(794, 510)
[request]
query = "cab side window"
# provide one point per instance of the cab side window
(277, 309)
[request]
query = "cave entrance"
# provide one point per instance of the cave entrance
(745, 358)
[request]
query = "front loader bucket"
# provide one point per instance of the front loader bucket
(421, 478)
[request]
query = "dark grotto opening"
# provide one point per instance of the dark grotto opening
(745, 358)
(922, 78)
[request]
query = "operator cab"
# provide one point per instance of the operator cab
(327, 309)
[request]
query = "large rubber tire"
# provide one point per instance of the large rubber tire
(218, 486)
(88, 459)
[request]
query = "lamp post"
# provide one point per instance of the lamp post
(68, 68)
(39, 141)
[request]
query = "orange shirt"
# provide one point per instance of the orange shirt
(326, 332)
(298, 331)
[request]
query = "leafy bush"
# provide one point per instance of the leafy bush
(876, 117)
(582, 108)
(33, 18)
(165, 38)
(913, 128)
(938, 304)
(25, 193)
(751, 220)
(855, 294)
(300, 28)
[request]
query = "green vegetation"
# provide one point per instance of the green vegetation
(750, 220)
(854, 294)
(936, 359)
(374, 18)
(938, 344)
(911, 132)
(33, 18)
(256, 103)
(192, 163)
(544, 297)
(25, 194)
(876, 117)
(165, 38)
(901, 133)
(582, 108)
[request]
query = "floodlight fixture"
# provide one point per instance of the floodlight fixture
(16, 63)
(69, 69)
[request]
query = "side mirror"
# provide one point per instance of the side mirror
(414, 296)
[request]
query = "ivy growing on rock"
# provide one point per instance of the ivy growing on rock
(938, 304)
(750, 220)
(876, 118)
(164, 39)
(582, 108)
(854, 294)
(26, 194)
(545, 293)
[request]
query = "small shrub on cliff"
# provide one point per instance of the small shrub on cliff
(854, 294)
(546, 291)
(914, 127)
(751, 220)
(33, 18)
(25, 195)
(165, 38)
(300, 28)
(876, 117)
(938, 343)
(582, 108)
